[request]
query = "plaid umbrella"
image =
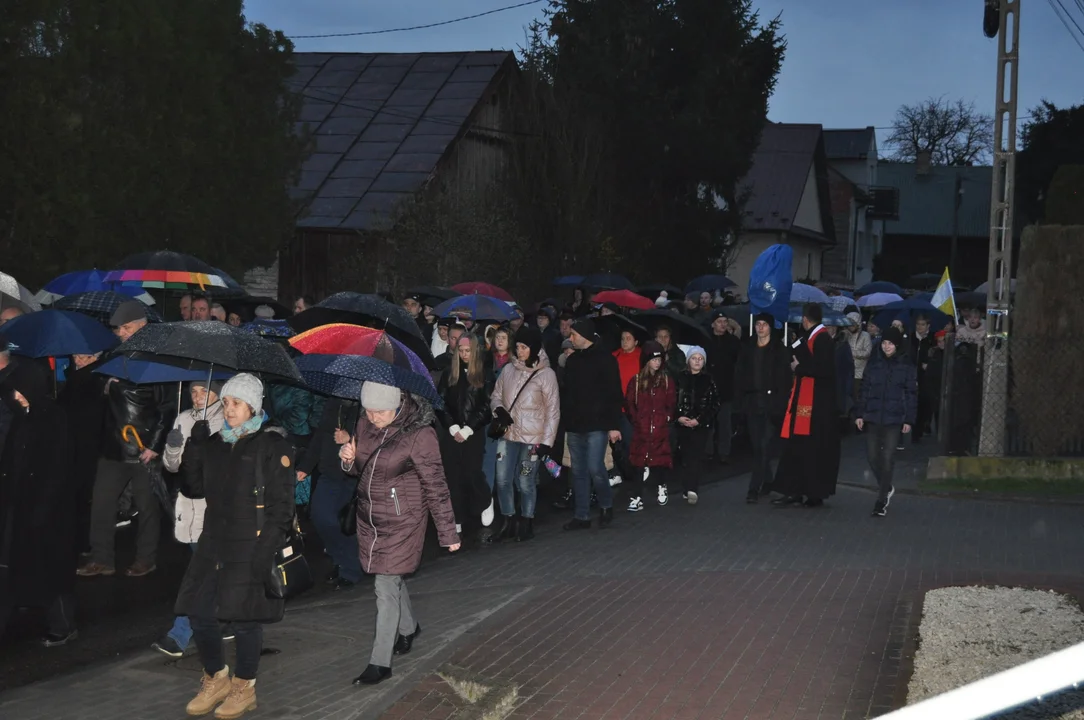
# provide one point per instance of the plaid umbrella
(343, 375)
(100, 305)
(345, 339)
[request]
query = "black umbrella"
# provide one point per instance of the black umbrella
(431, 295)
(367, 311)
(683, 329)
(207, 344)
(606, 281)
(673, 292)
(251, 303)
(621, 324)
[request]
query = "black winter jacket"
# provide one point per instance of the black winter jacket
(775, 376)
(723, 351)
(591, 397)
(463, 405)
(150, 409)
(232, 549)
(889, 394)
(323, 453)
(697, 398)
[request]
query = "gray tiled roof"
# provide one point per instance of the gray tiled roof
(926, 200)
(778, 176)
(380, 124)
(848, 144)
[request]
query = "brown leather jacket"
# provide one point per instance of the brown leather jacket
(538, 410)
(403, 483)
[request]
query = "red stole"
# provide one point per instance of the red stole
(801, 416)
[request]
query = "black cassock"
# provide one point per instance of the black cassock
(810, 462)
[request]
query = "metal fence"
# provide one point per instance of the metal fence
(1029, 404)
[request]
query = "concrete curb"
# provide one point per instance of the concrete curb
(977, 495)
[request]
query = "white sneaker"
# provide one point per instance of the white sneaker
(692, 498)
(891, 492)
(487, 515)
(647, 474)
(635, 505)
(662, 495)
(615, 481)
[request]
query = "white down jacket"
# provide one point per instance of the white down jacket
(188, 512)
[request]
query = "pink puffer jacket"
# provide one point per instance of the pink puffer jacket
(538, 410)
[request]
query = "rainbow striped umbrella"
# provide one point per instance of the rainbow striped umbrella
(167, 270)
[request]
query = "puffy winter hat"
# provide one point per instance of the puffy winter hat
(532, 338)
(378, 397)
(893, 335)
(696, 350)
(246, 388)
(128, 311)
(649, 351)
(585, 328)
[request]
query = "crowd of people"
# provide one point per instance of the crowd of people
(561, 392)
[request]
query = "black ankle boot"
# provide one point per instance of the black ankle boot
(564, 502)
(525, 530)
(605, 517)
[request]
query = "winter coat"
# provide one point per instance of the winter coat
(723, 351)
(188, 512)
(464, 405)
(675, 361)
(84, 403)
(37, 494)
(697, 398)
(844, 377)
(771, 396)
(889, 393)
(403, 483)
(322, 453)
(538, 411)
(591, 398)
(861, 345)
(232, 549)
(651, 410)
(150, 409)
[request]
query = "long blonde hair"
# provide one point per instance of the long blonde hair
(476, 369)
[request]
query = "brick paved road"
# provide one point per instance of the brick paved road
(716, 611)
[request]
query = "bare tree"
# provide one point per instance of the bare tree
(953, 133)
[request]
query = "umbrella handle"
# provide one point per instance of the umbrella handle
(124, 435)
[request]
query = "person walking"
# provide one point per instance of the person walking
(526, 397)
(591, 403)
(762, 381)
(887, 407)
(395, 454)
(227, 579)
(723, 349)
(38, 505)
(697, 405)
(188, 512)
(650, 402)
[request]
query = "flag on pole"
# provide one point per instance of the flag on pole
(943, 298)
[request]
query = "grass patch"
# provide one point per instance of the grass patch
(1053, 487)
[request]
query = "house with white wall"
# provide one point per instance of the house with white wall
(852, 161)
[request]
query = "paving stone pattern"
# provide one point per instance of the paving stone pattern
(721, 610)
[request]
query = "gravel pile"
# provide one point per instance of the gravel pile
(968, 633)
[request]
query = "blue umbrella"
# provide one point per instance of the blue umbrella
(51, 333)
(830, 317)
(343, 375)
(802, 293)
(144, 371)
(568, 280)
(269, 328)
(879, 286)
(607, 281)
(475, 307)
(710, 283)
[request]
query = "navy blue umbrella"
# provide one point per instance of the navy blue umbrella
(879, 286)
(568, 280)
(475, 307)
(606, 281)
(269, 328)
(142, 370)
(55, 333)
(342, 376)
(710, 283)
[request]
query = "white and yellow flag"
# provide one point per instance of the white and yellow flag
(943, 298)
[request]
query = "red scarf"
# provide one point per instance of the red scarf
(803, 389)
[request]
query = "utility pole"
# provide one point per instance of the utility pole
(995, 377)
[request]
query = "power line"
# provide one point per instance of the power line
(420, 27)
(1066, 19)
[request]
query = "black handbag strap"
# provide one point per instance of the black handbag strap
(516, 398)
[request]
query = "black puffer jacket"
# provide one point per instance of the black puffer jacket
(232, 549)
(463, 405)
(591, 398)
(150, 409)
(697, 398)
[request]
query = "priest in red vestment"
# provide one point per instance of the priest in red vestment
(810, 461)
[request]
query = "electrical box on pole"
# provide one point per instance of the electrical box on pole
(995, 376)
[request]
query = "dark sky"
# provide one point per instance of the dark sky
(850, 63)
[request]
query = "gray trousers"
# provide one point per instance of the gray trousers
(393, 617)
(112, 478)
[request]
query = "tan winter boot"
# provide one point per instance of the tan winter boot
(241, 699)
(213, 690)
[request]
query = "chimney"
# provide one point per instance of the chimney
(922, 163)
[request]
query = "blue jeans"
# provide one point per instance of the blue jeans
(181, 632)
(588, 454)
(514, 464)
(489, 465)
(331, 495)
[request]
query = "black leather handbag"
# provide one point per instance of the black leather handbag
(290, 571)
(498, 428)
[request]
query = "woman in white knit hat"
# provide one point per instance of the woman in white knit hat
(395, 454)
(227, 578)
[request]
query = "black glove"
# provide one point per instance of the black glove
(175, 439)
(503, 416)
(201, 432)
(543, 450)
